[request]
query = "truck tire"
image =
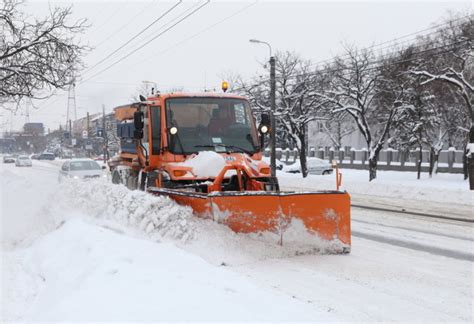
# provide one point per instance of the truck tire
(116, 177)
(142, 179)
(132, 181)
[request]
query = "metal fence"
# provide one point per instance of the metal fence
(449, 160)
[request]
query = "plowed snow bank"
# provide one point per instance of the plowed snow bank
(148, 213)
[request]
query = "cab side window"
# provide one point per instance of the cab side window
(65, 166)
(156, 129)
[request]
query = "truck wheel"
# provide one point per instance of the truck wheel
(143, 181)
(132, 182)
(116, 177)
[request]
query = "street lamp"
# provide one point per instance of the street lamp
(272, 108)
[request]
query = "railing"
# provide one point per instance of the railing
(449, 160)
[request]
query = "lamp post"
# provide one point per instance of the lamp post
(272, 108)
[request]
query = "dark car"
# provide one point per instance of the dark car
(46, 156)
(8, 159)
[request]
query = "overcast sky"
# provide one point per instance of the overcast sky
(214, 41)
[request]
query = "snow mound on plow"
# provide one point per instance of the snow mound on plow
(205, 164)
(145, 212)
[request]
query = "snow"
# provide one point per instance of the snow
(71, 269)
(470, 149)
(442, 187)
(92, 251)
(205, 164)
(106, 279)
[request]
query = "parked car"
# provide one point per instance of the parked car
(34, 156)
(315, 166)
(8, 159)
(279, 164)
(81, 169)
(47, 156)
(23, 160)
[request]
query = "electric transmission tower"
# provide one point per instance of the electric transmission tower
(71, 104)
(27, 111)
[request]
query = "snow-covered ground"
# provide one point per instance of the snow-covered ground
(443, 193)
(95, 251)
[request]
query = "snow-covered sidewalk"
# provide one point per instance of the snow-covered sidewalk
(443, 193)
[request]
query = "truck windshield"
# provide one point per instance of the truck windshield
(204, 124)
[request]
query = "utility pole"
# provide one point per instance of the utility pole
(272, 107)
(27, 112)
(104, 133)
(272, 116)
(88, 126)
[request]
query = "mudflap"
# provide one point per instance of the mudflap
(323, 213)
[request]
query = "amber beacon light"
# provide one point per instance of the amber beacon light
(225, 86)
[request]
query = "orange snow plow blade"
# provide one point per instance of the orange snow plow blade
(324, 213)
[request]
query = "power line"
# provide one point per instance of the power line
(147, 43)
(400, 37)
(106, 20)
(136, 35)
(198, 33)
(181, 14)
(153, 3)
(327, 70)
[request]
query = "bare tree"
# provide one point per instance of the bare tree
(454, 65)
(336, 126)
(37, 54)
(357, 88)
(296, 96)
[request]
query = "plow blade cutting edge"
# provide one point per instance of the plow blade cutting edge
(324, 213)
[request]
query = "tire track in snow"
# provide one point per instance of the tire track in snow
(458, 219)
(457, 237)
(416, 246)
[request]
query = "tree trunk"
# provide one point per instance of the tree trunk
(470, 159)
(418, 164)
(435, 161)
(432, 154)
(373, 167)
(373, 159)
(465, 167)
(302, 151)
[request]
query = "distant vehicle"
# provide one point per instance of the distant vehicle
(67, 154)
(315, 166)
(23, 160)
(8, 159)
(47, 156)
(81, 169)
(34, 156)
(279, 164)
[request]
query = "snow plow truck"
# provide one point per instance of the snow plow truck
(205, 151)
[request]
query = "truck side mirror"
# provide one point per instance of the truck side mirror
(138, 134)
(138, 120)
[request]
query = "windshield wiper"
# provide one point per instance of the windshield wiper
(209, 145)
(227, 146)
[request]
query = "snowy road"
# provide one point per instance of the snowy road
(71, 254)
